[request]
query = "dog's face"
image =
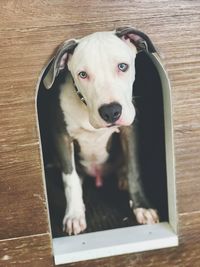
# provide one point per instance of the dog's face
(103, 68)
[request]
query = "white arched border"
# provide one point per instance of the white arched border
(130, 239)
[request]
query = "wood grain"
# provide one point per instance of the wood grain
(29, 33)
(38, 13)
(32, 251)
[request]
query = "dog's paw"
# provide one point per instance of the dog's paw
(146, 216)
(74, 222)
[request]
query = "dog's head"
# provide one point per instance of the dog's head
(103, 69)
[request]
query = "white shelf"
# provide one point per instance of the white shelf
(113, 242)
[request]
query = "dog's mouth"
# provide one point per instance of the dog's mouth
(117, 123)
(111, 125)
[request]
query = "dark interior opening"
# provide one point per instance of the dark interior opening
(108, 207)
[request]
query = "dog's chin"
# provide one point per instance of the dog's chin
(118, 123)
(122, 122)
(103, 126)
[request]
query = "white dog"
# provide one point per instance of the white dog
(93, 103)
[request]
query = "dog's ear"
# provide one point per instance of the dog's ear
(139, 39)
(59, 61)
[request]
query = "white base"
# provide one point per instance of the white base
(113, 242)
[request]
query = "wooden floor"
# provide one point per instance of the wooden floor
(29, 33)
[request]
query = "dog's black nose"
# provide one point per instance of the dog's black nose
(110, 112)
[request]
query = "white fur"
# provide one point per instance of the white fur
(99, 55)
(91, 140)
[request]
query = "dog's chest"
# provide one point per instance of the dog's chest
(93, 147)
(93, 142)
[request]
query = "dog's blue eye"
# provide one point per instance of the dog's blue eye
(123, 67)
(83, 75)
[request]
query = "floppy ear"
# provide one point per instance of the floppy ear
(59, 62)
(139, 39)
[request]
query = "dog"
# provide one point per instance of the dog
(94, 103)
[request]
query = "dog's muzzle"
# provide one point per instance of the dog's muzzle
(110, 112)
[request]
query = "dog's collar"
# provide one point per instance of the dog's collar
(81, 96)
(79, 93)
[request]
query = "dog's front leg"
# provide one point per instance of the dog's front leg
(142, 209)
(74, 220)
